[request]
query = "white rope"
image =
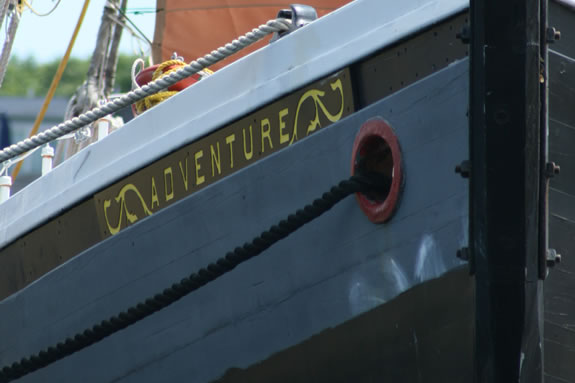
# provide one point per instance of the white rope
(14, 21)
(134, 72)
(276, 25)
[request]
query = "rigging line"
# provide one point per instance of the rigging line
(41, 14)
(55, 82)
(116, 20)
(143, 11)
(195, 280)
(127, 27)
(123, 13)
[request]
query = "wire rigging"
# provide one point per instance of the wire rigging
(123, 13)
(27, 4)
(143, 11)
(128, 28)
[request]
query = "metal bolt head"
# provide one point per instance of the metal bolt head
(464, 35)
(553, 35)
(553, 257)
(557, 35)
(552, 169)
(464, 169)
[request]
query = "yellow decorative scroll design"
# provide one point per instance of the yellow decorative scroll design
(316, 96)
(121, 199)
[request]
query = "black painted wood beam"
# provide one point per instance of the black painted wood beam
(505, 122)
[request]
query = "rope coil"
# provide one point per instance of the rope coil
(163, 70)
(272, 26)
(232, 259)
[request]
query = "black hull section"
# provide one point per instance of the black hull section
(328, 293)
(423, 335)
(559, 348)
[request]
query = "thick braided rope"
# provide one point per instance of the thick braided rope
(195, 280)
(276, 25)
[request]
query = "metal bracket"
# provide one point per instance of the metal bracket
(465, 34)
(553, 257)
(553, 35)
(176, 56)
(300, 15)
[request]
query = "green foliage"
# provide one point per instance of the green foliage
(19, 79)
(26, 77)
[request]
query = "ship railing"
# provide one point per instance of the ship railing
(102, 127)
(21, 150)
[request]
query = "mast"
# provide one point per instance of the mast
(99, 79)
(506, 124)
(8, 7)
(112, 59)
(94, 88)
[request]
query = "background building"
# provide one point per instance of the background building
(19, 116)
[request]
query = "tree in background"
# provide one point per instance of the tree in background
(28, 78)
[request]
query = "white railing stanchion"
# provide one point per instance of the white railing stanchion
(47, 157)
(103, 128)
(5, 185)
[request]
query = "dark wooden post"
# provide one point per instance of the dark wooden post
(506, 169)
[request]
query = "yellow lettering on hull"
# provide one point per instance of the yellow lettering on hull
(272, 128)
(199, 179)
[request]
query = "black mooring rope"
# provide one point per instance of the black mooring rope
(195, 280)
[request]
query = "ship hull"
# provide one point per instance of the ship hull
(387, 300)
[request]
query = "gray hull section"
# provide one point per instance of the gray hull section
(337, 268)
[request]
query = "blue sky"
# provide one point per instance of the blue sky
(46, 38)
